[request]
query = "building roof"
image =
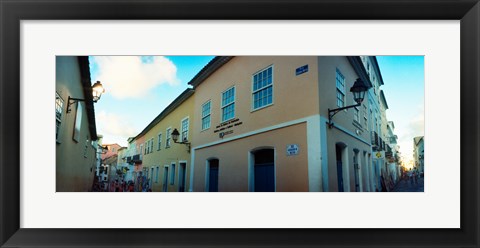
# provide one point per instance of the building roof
(172, 106)
(417, 140)
(87, 93)
(359, 68)
(377, 68)
(219, 61)
(384, 101)
(208, 69)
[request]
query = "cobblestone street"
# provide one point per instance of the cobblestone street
(408, 186)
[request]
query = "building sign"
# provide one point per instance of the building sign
(292, 149)
(301, 70)
(225, 128)
(380, 154)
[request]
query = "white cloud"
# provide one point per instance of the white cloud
(114, 128)
(414, 127)
(133, 77)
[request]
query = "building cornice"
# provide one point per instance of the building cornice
(357, 65)
(384, 100)
(377, 68)
(169, 109)
(210, 68)
(84, 65)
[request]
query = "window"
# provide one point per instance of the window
(262, 88)
(151, 145)
(340, 81)
(169, 136)
(58, 113)
(365, 113)
(184, 134)
(206, 115)
(356, 114)
(228, 104)
(172, 175)
(159, 142)
(156, 175)
(141, 149)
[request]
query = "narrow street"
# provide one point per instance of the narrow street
(406, 185)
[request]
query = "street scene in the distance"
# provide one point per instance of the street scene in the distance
(239, 124)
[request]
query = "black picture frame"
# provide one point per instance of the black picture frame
(12, 12)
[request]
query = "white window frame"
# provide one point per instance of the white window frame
(182, 138)
(204, 116)
(228, 104)
(58, 118)
(262, 89)
(168, 137)
(339, 90)
(151, 145)
(159, 143)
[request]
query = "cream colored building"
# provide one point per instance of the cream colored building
(166, 163)
(75, 126)
(262, 125)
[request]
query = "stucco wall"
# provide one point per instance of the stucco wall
(294, 96)
(291, 172)
(175, 153)
(74, 170)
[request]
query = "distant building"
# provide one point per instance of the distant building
(166, 164)
(111, 172)
(75, 125)
(418, 153)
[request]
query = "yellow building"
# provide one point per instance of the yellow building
(262, 125)
(75, 125)
(165, 162)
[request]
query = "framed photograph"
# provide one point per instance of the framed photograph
(42, 41)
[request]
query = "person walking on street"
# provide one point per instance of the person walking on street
(410, 176)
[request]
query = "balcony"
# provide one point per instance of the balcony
(374, 138)
(137, 158)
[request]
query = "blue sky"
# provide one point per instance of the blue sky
(404, 90)
(139, 88)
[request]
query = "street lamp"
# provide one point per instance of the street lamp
(175, 135)
(358, 89)
(97, 91)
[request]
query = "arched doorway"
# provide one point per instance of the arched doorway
(339, 151)
(264, 170)
(212, 175)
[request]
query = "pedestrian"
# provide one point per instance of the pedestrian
(410, 176)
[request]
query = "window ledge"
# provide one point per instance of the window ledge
(260, 108)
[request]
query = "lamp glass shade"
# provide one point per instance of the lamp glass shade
(359, 89)
(175, 135)
(97, 91)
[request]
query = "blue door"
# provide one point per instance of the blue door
(213, 175)
(213, 179)
(264, 178)
(264, 171)
(340, 176)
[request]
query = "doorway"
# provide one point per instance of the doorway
(264, 170)
(339, 149)
(182, 176)
(212, 175)
(165, 179)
